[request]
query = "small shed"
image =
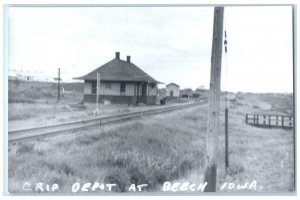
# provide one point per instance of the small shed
(172, 90)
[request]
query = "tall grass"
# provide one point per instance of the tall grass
(168, 147)
(42, 92)
(139, 152)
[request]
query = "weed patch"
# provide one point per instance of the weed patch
(25, 148)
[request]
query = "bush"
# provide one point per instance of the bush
(65, 168)
(119, 178)
(25, 148)
(255, 107)
(235, 170)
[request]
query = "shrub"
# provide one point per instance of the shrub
(136, 176)
(255, 107)
(119, 178)
(235, 169)
(25, 148)
(65, 168)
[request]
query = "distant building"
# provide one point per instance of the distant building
(25, 77)
(28, 76)
(231, 97)
(202, 87)
(172, 90)
(121, 82)
(189, 94)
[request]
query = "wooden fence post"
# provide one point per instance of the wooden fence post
(226, 139)
(246, 118)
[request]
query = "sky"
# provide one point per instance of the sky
(172, 44)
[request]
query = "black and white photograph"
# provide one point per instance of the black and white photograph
(150, 100)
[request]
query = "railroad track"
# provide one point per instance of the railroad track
(32, 133)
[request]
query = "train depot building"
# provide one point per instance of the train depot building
(121, 82)
(172, 90)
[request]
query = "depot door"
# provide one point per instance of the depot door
(144, 89)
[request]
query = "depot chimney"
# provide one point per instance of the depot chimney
(128, 59)
(118, 55)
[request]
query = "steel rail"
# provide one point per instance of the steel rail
(31, 133)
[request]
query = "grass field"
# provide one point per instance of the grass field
(35, 103)
(168, 147)
(42, 92)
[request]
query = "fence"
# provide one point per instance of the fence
(270, 121)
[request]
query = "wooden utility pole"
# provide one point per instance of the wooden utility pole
(214, 103)
(58, 85)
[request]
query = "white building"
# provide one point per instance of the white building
(172, 90)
